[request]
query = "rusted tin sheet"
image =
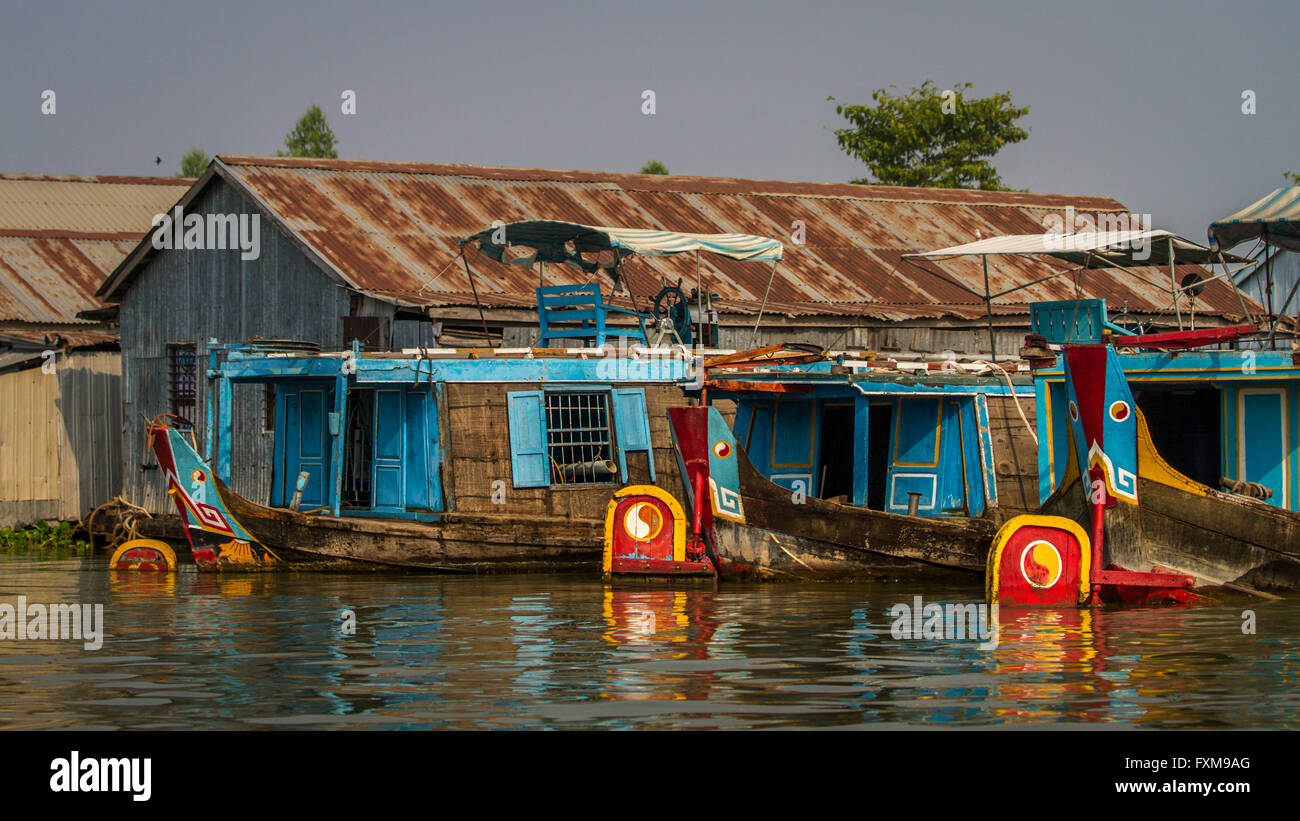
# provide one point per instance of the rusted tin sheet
(392, 229)
(60, 237)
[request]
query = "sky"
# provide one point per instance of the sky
(1138, 101)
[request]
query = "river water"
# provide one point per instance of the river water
(195, 651)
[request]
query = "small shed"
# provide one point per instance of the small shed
(60, 374)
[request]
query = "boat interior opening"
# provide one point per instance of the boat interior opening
(837, 452)
(358, 448)
(1186, 426)
(880, 423)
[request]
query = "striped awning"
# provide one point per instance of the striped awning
(550, 238)
(1276, 218)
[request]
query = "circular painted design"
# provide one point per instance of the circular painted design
(643, 521)
(1040, 564)
(721, 449)
(1074, 412)
(1119, 410)
(198, 475)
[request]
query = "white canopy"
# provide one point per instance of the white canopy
(1087, 247)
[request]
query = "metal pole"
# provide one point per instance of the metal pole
(699, 294)
(988, 310)
(761, 307)
(1268, 280)
(1173, 285)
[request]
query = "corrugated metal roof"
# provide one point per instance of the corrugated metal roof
(61, 236)
(392, 229)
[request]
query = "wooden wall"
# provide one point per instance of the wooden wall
(477, 439)
(1015, 455)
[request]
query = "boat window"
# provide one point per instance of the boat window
(579, 440)
(182, 378)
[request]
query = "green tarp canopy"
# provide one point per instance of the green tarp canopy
(1276, 218)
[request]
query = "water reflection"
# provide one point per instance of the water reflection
(272, 650)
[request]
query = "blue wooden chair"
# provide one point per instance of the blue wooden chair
(1072, 320)
(582, 304)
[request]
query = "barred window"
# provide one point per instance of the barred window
(579, 440)
(183, 379)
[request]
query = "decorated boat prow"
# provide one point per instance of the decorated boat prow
(1123, 525)
(216, 538)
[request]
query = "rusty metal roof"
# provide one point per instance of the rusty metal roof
(60, 237)
(392, 230)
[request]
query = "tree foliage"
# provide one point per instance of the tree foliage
(1292, 177)
(194, 163)
(654, 167)
(931, 137)
(311, 137)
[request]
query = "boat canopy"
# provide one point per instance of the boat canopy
(1092, 249)
(549, 239)
(1276, 218)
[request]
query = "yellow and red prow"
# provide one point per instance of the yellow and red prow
(1049, 560)
(645, 534)
(640, 518)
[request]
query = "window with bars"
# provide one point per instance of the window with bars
(580, 443)
(268, 409)
(182, 362)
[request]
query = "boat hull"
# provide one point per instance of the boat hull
(464, 543)
(816, 539)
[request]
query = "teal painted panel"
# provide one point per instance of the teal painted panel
(1263, 442)
(387, 488)
(632, 426)
(528, 458)
(418, 448)
(916, 432)
(792, 434)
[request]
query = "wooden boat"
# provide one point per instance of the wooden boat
(1130, 526)
(1170, 472)
(451, 460)
(751, 503)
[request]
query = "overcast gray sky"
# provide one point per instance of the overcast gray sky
(1134, 100)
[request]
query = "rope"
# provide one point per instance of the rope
(126, 527)
(1032, 433)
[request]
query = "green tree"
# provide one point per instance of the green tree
(311, 137)
(931, 137)
(654, 167)
(1292, 177)
(194, 163)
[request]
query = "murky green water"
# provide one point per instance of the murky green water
(269, 651)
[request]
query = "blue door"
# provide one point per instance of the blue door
(1262, 440)
(303, 417)
(405, 474)
(916, 455)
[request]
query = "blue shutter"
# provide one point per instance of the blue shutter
(632, 426)
(528, 459)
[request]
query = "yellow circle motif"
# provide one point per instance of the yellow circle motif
(1040, 564)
